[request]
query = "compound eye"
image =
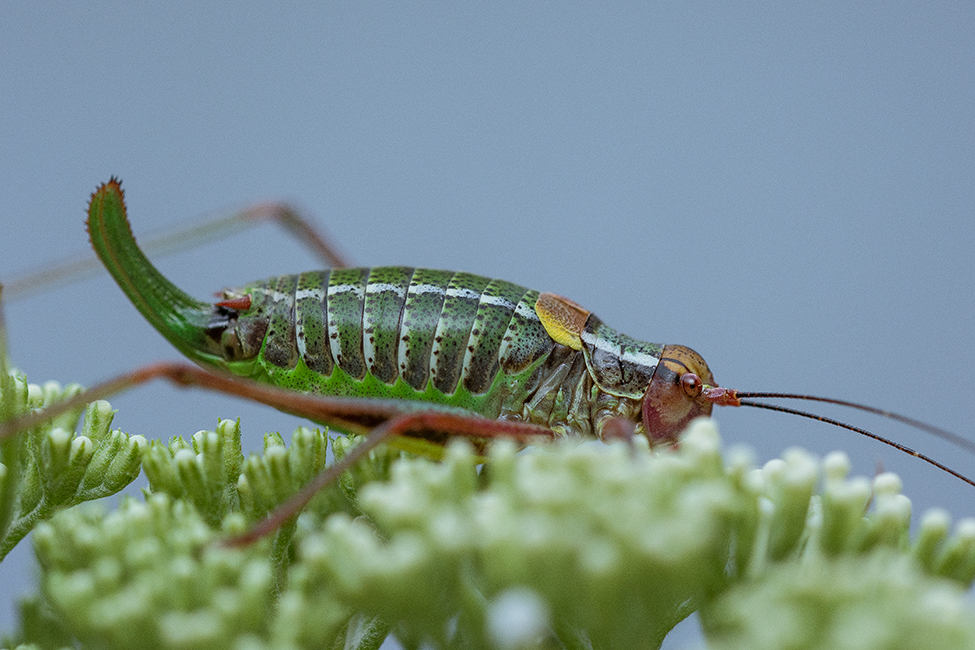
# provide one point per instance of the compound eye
(691, 384)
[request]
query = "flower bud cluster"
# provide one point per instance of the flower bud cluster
(203, 471)
(586, 546)
(838, 569)
(849, 516)
(881, 600)
(608, 545)
(152, 575)
(267, 480)
(155, 574)
(616, 544)
(56, 468)
(211, 472)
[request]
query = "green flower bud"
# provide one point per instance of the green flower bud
(957, 556)
(789, 484)
(517, 618)
(98, 420)
(843, 505)
(880, 600)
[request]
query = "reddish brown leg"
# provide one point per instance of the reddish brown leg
(620, 429)
(406, 424)
(185, 237)
(377, 419)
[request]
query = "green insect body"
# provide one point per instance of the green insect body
(453, 338)
(444, 339)
(392, 332)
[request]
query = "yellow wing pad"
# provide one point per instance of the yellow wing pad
(563, 319)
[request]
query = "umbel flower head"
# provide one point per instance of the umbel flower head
(50, 467)
(584, 546)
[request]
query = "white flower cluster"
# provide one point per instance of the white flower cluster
(586, 546)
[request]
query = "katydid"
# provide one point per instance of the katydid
(415, 356)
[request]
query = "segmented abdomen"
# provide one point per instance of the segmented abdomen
(425, 327)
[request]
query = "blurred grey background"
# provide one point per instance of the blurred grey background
(789, 191)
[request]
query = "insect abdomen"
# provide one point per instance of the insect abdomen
(396, 326)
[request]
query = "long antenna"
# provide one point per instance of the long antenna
(953, 438)
(731, 397)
